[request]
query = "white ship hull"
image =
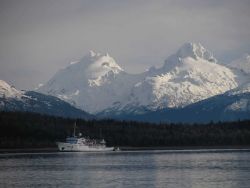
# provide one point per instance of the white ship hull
(63, 146)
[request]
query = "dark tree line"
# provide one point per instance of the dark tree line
(28, 130)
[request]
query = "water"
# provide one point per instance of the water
(127, 169)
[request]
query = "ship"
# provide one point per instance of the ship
(82, 144)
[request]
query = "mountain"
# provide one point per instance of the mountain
(190, 75)
(231, 106)
(7, 91)
(12, 99)
(97, 84)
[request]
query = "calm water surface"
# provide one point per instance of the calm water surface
(127, 169)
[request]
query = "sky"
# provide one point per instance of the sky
(38, 37)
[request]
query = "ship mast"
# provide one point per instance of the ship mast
(100, 133)
(74, 134)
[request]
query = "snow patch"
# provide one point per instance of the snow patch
(242, 105)
(73, 62)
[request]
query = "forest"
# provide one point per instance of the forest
(30, 130)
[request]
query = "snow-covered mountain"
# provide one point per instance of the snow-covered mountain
(12, 99)
(190, 75)
(8, 91)
(242, 104)
(233, 105)
(97, 84)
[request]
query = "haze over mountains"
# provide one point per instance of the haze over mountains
(191, 80)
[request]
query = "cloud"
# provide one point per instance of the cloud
(39, 37)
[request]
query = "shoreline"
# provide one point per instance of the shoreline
(180, 148)
(129, 148)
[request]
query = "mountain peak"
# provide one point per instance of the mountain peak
(101, 64)
(92, 53)
(7, 90)
(195, 51)
(94, 65)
